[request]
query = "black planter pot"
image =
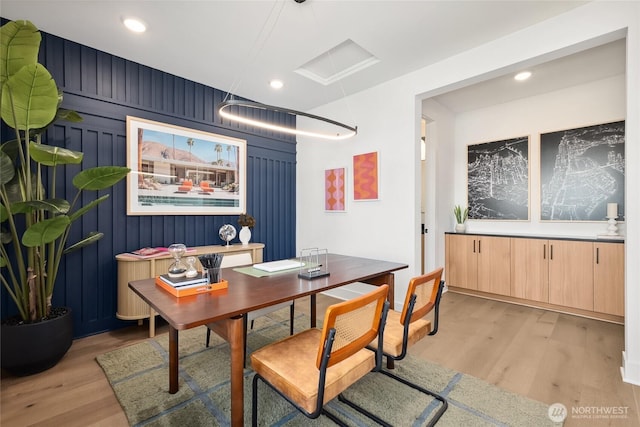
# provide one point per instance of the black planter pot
(35, 347)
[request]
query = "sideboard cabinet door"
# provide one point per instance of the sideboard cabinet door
(494, 265)
(530, 269)
(608, 278)
(571, 274)
(462, 265)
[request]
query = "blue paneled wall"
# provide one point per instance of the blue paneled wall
(104, 89)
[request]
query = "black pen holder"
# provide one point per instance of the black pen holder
(214, 274)
(211, 266)
(210, 260)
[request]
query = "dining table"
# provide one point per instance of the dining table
(223, 310)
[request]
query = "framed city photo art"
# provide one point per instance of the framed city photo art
(582, 170)
(498, 179)
(180, 171)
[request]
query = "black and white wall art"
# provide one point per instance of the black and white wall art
(581, 170)
(498, 179)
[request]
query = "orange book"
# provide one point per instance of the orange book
(184, 291)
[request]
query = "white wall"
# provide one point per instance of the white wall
(388, 117)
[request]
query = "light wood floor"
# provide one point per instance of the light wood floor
(546, 356)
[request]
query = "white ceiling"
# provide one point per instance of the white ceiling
(589, 65)
(241, 45)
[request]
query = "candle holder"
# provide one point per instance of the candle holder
(612, 229)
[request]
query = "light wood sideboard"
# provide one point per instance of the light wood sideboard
(132, 307)
(579, 276)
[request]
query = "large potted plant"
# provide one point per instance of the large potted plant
(35, 223)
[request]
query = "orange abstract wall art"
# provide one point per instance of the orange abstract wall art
(365, 176)
(334, 189)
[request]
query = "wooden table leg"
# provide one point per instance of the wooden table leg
(152, 323)
(312, 309)
(232, 330)
(236, 342)
(173, 360)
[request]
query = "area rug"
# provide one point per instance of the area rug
(139, 377)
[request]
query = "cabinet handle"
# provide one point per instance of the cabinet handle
(474, 246)
(544, 251)
(551, 252)
(597, 255)
(479, 249)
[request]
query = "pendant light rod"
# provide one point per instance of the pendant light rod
(351, 131)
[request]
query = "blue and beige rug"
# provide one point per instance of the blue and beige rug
(139, 377)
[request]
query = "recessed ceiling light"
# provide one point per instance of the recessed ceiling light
(523, 76)
(276, 84)
(135, 25)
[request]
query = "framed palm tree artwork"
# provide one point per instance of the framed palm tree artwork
(181, 171)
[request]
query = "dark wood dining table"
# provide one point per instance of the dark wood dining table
(223, 310)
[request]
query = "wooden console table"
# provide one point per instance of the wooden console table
(132, 307)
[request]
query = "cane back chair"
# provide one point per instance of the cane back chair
(302, 368)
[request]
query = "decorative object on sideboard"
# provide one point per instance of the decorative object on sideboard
(227, 233)
(461, 217)
(612, 215)
(178, 268)
(247, 222)
(612, 223)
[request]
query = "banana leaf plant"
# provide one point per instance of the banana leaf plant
(34, 222)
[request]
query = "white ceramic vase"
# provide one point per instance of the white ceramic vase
(245, 234)
(461, 228)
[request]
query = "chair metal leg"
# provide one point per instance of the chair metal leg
(363, 411)
(254, 402)
(208, 337)
(244, 326)
(291, 313)
(435, 395)
(436, 314)
(432, 422)
(333, 418)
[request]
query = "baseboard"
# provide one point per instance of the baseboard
(630, 371)
(542, 305)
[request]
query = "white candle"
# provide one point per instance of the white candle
(612, 210)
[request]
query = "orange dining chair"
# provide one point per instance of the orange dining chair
(404, 329)
(312, 367)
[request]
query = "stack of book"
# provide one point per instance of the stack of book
(184, 286)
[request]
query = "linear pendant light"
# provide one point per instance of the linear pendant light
(347, 132)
